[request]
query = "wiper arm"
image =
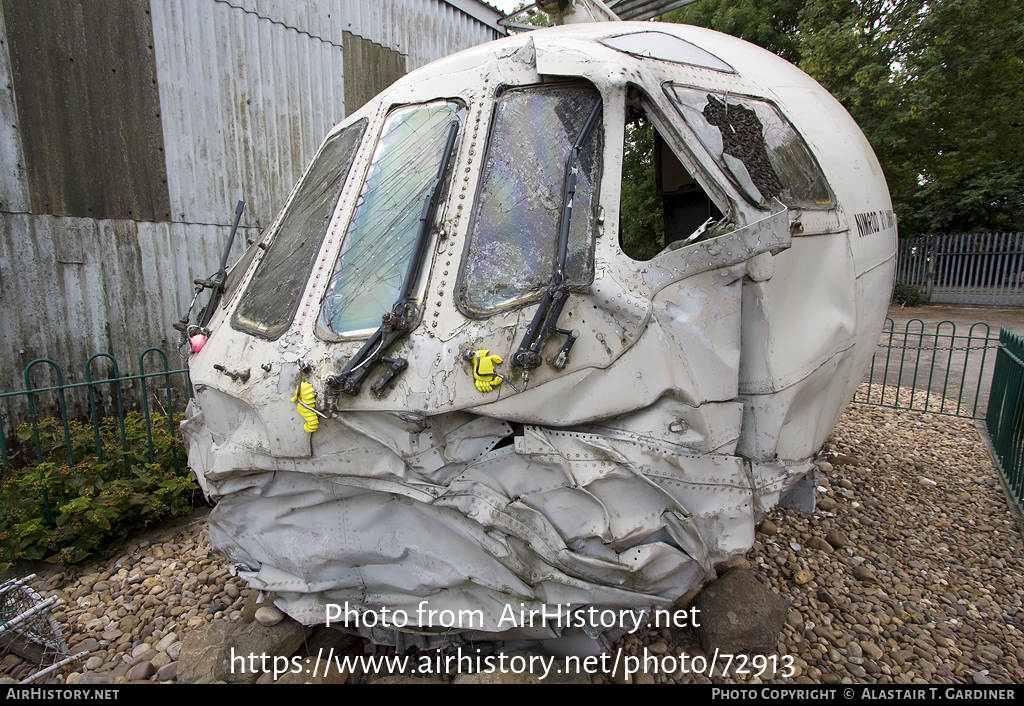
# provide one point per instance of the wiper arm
(214, 282)
(545, 321)
(400, 320)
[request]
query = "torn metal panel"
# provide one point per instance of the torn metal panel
(509, 408)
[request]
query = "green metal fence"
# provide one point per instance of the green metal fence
(931, 368)
(1005, 418)
(114, 393)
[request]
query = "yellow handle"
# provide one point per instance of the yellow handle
(483, 370)
(306, 397)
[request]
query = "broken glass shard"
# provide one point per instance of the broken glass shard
(755, 145)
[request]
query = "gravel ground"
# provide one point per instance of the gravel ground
(911, 570)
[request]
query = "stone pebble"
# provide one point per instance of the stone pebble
(910, 583)
(919, 584)
(130, 613)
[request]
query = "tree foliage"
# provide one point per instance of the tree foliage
(937, 87)
(642, 223)
(772, 24)
(966, 94)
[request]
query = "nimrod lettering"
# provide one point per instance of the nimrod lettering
(874, 222)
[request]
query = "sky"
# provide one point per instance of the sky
(505, 6)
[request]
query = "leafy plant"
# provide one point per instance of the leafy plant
(93, 504)
(907, 294)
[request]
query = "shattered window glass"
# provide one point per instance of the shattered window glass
(272, 297)
(666, 47)
(374, 259)
(513, 246)
(756, 146)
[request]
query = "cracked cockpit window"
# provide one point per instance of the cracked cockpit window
(513, 244)
(369, 274)
(272, 296)
(755, 146)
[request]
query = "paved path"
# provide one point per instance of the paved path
(963, 316)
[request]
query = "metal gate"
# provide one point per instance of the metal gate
(983, 269)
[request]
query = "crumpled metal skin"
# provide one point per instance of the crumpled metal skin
(701, 389)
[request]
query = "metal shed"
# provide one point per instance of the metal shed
(131, 127)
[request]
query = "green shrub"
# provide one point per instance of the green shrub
(93, 504)
(907, 294)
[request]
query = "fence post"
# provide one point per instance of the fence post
(35, 424)
(3, 445)
(145, 402)
(116, 380)
(929, 284)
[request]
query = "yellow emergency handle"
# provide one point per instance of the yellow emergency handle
(306, 397)
(483, 370)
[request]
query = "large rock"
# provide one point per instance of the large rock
(237, 652)
(738, 613)
(200, 652)
(141, 671)
(280, 640)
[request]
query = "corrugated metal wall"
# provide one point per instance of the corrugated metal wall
(14, 197)
(245, 103)
(70, 63)
(376, 65)
(422, 30)
(247, 90)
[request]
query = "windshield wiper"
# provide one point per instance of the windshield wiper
(545, 321)
(214, 282)
(402, 318)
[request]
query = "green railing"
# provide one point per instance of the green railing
(1005, 418)
(931, 368)
(89, 456)
(118, 391)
